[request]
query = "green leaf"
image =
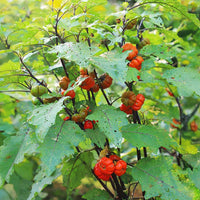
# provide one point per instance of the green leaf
(96, 136)
(187, 80)
(175, 6)
(157, 178)
(4, 195)
(158, 51)
(68, 134)
(44, 117)
(37, 187)
(192, 159)
(76, 169)
(110, 122)
(148, 64)
(96, 194)
(12, 152)
(8, 154)
(25, 170)
(22, 187)
(194, 176)
(77, 52)
(132, 74)
(113, 62)
(147, 136)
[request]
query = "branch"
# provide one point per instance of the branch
(104, 94)
(193, 112)
(138, 30)
(31, 75)
(1, 91)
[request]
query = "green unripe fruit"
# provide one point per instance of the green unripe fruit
(36, 101)
(134, 40)
(111, 20)
(62, 115)
(38, 90)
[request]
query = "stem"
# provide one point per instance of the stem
(145, 151)
(68, 112)
(88, 94)
(64, 67)
(31, 75)
(115, 100)
(135, 188)
(40, 100)
(104, 94)
(138, 154)
(120, 192)
(15, 91)
(104, 186)
(122, 183)
(93, 97)
(138, 30)
(193, 112)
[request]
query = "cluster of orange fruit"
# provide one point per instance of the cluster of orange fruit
(135, 60)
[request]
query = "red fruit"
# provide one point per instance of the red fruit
(135, 64)
(83, 71)
(193, 126)
(99, 174)
(139, 59)
(133, 53)
(120, 168)
(92, 74)
(139, 102)
(106, 81)
(114, 157)
(87, 83)
(71, 93)
(66, 118)
(135, 107)
(175, 121)
(64, 82)
(106, 165)
(126, 109)
(88, 124)
(95, 88)
(128, 98)
(138, 77)
(140, 97)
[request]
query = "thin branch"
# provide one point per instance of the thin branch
(138, 30)
(31, 75)
(64, 67)
(103, 184)
(104, 94)
(1, 91)
(193, 112)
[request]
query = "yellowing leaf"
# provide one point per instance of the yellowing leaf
(187, 147)
(55, 3)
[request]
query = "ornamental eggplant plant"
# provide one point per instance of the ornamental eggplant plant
(99, 101)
